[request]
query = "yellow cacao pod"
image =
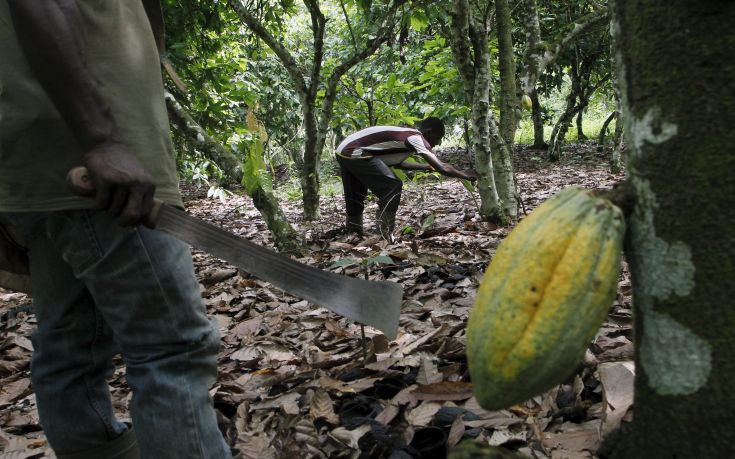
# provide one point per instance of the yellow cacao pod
(543, 297)
(526, 102)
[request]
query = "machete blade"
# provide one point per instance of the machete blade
(374, 303)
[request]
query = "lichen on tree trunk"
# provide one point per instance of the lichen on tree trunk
(676, 71)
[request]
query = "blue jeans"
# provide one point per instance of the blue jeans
(100, 290)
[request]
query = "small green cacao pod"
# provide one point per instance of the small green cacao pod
(543, 297)
(526, 102)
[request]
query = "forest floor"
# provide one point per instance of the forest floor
(299, 381)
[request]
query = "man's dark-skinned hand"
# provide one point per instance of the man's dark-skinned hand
(470, 175)
(123, 187)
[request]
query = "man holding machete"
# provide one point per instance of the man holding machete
(80, 84)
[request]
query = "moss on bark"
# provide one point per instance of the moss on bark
(676, 75)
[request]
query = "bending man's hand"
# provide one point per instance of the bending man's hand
(470, 175)
(123, 187)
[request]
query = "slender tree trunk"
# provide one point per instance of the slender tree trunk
(503, 169)
(578, 98)
(509, 100)
(616, 160)
(309, 173)
(617, 152)
(603, 131)
(491, 208)
(580, 115)
(504, 135)
(538, 122)
(676, 75)
(286, 239)
(469, 42)
(558, 134)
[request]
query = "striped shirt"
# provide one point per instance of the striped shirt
(390, 144)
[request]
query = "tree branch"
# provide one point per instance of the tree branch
(289, 62)
(461, 45)
(538, 55)
(318, 25)
(349, 24)
(230, 164)
(370, 47)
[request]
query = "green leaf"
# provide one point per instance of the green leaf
(364, 4)
(384, 259)
(342, 262)
(399, 173)
(253, 167)
(428, 221)
(419, 20)
(428, 259)
(469, 186)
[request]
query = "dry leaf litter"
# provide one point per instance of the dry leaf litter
(296, 380)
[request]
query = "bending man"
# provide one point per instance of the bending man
(364, 159)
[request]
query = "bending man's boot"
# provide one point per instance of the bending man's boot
(123, 447)
(354, 224)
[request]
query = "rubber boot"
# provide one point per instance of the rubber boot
(123, 447)
(386, 224)
(354, 224)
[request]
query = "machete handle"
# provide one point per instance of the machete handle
(81, 184)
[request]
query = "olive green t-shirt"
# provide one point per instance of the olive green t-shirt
(36, 147)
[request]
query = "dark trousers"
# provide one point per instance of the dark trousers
(362, 174)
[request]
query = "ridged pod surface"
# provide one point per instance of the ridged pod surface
(543, 297)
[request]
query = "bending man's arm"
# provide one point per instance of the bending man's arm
(447, 169)
(49, 33)
(435, 164)
(405, 165)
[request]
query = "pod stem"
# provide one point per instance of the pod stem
(622, 195)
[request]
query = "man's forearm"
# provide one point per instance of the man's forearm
(451, 171)
(414, 166)
(50, 36)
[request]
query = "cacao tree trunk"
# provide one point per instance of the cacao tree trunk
(578, 98)
(285, 238)
(676, 76)
(558, 134)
